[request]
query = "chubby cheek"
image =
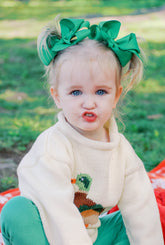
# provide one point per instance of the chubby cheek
(106, 109)
(64, 103)
(107, 104)
(72, 118)
(70, 109)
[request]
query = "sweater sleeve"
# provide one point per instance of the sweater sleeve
(138, 206)
(46, 180)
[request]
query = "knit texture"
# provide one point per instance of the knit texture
(72, 179)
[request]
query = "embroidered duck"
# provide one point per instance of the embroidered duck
(89, 210)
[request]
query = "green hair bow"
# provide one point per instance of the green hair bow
(74, 31)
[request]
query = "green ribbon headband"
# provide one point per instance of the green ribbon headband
(74, 31)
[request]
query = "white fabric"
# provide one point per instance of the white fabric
(118, 177)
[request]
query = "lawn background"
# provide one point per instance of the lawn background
(26, 108)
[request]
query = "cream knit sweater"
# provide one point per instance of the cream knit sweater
(105, 174)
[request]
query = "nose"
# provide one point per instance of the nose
(89, 102)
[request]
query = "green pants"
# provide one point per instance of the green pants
(21, 224)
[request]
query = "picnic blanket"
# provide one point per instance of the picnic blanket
(157, 177)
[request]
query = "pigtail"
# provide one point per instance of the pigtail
(132, 73)
(51, 29)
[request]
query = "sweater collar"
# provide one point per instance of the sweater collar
(73, 134)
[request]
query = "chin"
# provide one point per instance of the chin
(88, 130)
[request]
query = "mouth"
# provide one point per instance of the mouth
(89, 116)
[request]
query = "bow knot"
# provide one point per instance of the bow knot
(74, 31)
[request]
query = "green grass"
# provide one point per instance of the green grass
(145, 110)
(8, 183)
(25, 105)
(26, 109)
(41, 9)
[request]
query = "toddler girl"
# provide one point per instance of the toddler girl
(82, 166)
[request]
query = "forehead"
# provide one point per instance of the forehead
(85, 70)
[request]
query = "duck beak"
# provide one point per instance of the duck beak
(73, 181)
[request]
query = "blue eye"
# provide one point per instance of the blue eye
(101, 92)
(76, 92)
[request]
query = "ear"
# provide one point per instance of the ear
(55, 96)
(118, 93)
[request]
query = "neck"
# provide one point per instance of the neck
(99, 135)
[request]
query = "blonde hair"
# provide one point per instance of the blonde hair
(87, 49)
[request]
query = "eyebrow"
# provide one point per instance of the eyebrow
(74, 87)
(103, 87)
(77, 87)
